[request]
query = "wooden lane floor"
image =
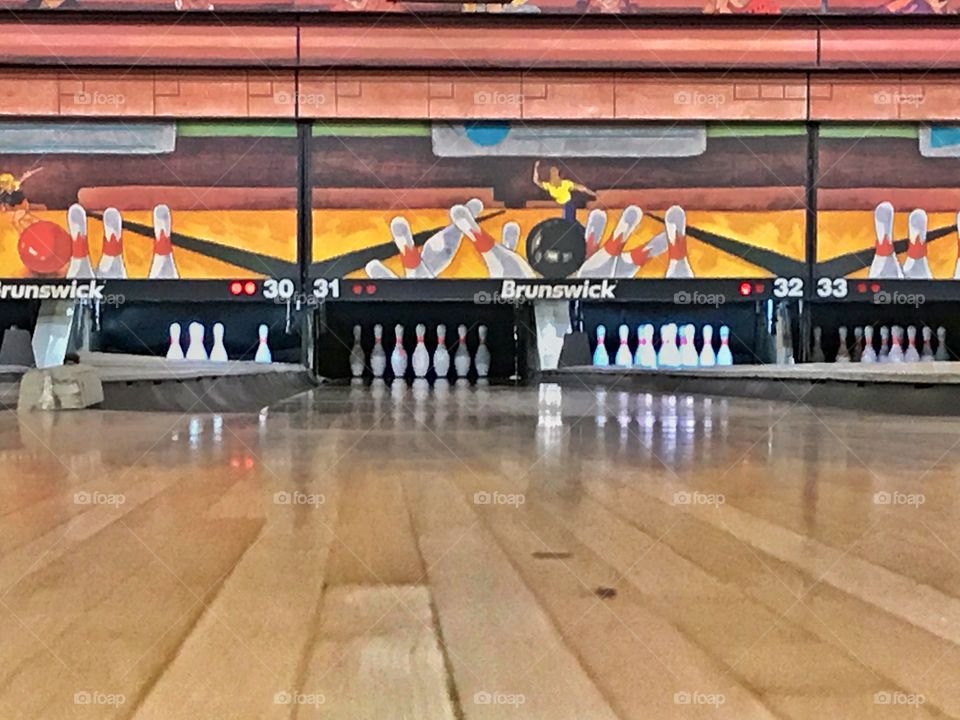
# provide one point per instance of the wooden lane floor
(480, 552)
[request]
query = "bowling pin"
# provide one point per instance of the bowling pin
(263, 349)
(461, 359)
(624, 358)
(942, 353)
(376, 270)
(885, 264)
(356, 353)
(603, 262)
(162, 267)
(510, 236)
(596, 222)
(648, 358)
(218, 353)
(111, 258)
(482, 357)
(916, 266)
(413, 267)
(927, 354)
(398, 358)
(378, 358)
(500, 262)
(421, 357)
(600, 356)
(676, 221)
(911, 354)
(631, 261)
(175, 351)
(708, 358)
(857, 344)
(441, 247)
(869, 354)
(724, 356)
(441, 356)
(669, 355)
(896, 344)
(641, 341)
(195, 348)
(884, 355)
(688, 348)
(843, 355)
(79, 267)
(816, 354)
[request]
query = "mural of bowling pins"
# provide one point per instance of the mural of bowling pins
(163, 266)
(885, 263)
(413, 266)
(79, 267)
(500, 261)
(111, 260)
(676, 221)
(603, 262)
(916, 266)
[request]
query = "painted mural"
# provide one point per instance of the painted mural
(888, 200)
(494, 199)
(147, 200)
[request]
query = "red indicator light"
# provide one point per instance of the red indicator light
(250, 288)
(357, 289)
(371, 289)
(759, 288)
(875, 288)
(861, 287)
(236, 287)
(746, 288)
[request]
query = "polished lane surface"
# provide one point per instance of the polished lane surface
(480, 552)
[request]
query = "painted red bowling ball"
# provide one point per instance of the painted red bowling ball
(44, 248)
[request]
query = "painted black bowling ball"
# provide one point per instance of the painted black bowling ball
(556, 247)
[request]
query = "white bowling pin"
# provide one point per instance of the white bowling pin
(927, 354)
(638, 355)
(648, 355)
(624, 358)
(885, 263)
(600, 356)
(421, 357)
(843, 355)
(593, 235)
(724, 356)
(482, 357)
(510, 236)
(675, 220)
(896, 344)
(630, 261)
(500, 262)
(357, 364)
(708, 358)
(884, 355)
(195, 348)
(441, 247)
(603, 262)
(111, 258)
(79, 267)
(816, 354)
(916, 266)
(398, 358)
(461, 359)
(163, 266)
(688, 348)
(218, 352)
(869, 354)
(441, 356)
(376, 270)
(942, 353)
(413, 267)
(378, 358)
(911, 354)
(175, 351)
(263, 349)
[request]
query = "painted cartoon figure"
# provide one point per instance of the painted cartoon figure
(561, 189)
(13, 200)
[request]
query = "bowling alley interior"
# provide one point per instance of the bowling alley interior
(535, 360)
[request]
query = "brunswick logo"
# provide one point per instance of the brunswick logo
(91, 290)
(586, 290)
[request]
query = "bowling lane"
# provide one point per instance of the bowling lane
(480, 552)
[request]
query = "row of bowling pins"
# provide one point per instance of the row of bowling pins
(111, 265)
(196, 348)
(677, 347)
(885, 264)
(421, 359)
(891, 345)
